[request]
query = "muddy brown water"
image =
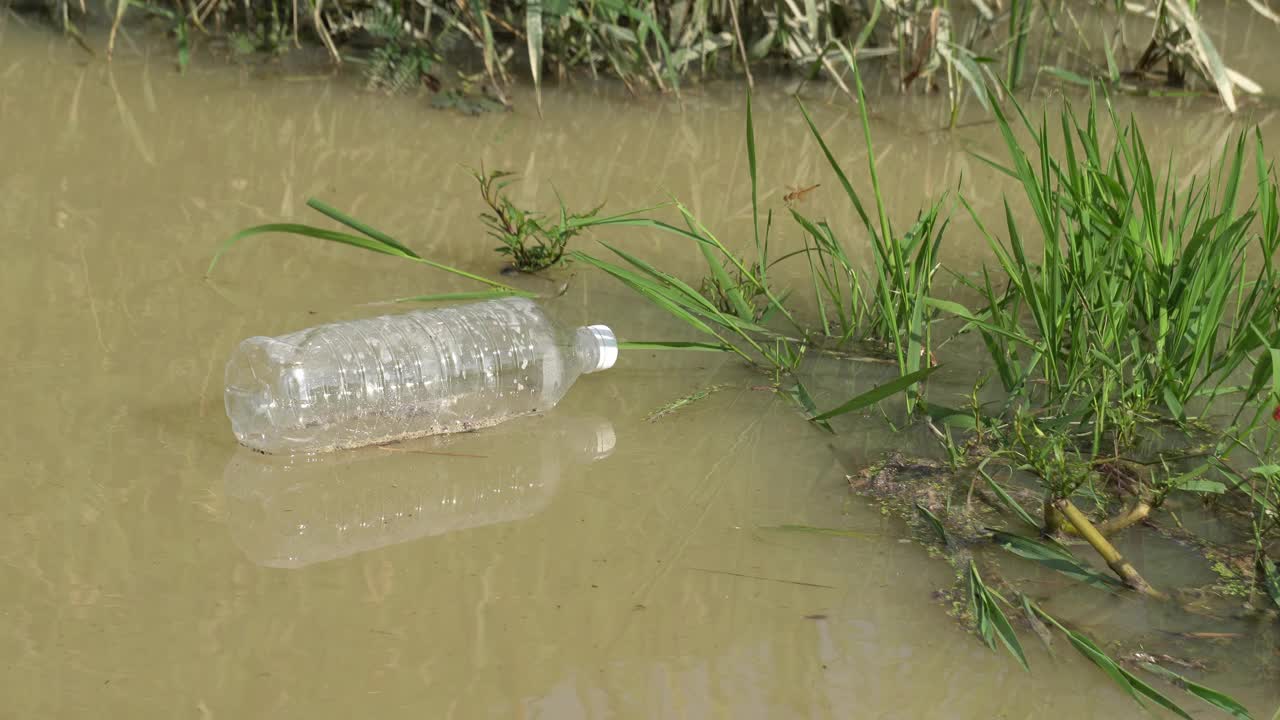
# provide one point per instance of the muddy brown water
(583, 564)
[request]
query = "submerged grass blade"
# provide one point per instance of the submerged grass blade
(1130, 683)
(876, 394)
(451, 297)
(1213, 697)
(683, 401)
(1009, 502)
(990, 620)
(933, 522)
(1054, 558)
(671, 345)
(1270, 578)
(800, 396)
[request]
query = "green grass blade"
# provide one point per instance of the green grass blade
(1270, 578)
(990, 619)
(1125, 679)
(751, 168)
(726, 283)
(1067, 75)
(336, 214)
(963, 313)
(533, 33)
(876, 394)
(800, 396)
(305, 231)
(1154, 695)
(933, 522)
(1207, 53)
(1054, 558)
(1213, 697)
(477, 295)
(671, 345)
(1008, 500)
(835, 167)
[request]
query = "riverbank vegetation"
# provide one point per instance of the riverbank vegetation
(1131, 346)
(975, 48)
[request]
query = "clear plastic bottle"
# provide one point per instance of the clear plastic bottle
(395, 377)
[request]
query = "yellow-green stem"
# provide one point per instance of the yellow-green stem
(1109, 553)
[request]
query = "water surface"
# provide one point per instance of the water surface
(588, 563)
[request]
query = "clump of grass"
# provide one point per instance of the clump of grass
(1143, 293)
(1153, 301)
(663, 45)
(741, 311)
(531, 241)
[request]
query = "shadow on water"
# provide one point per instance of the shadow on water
(290, 512)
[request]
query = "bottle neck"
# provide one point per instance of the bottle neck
(596, 348)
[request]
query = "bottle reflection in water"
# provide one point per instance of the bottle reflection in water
(290, 512)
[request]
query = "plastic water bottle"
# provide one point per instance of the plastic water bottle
(396, 377)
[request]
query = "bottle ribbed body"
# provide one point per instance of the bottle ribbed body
(400, 376)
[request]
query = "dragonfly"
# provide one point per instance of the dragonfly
(797, 194)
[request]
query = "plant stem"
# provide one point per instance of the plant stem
(1140, 511)
(1109, 553)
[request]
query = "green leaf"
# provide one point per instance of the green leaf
(1067, 75)
(671, 345)
(878, 393)
(990, 619)
(1125, 679)
(1209, 695)
(1206, 52)
(1154, 695)
(184, 45)
(962, 60)
(1009, 501)
(963, 313)
(1202, 486)
(305, 231)
(1270, 578)
(533, 33)
(1171, 401)
(951, 417)
(801, 397)
(1055, 558)
(450, 297)
(933, 522)
(336, 214)
(1086, 647)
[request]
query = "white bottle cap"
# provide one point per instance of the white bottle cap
(607, 345)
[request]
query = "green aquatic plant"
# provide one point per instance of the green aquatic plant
(1144, 300)
(531, 241)
(367, 238)
(924, 44)
(399, 62)
(1150, 303)
(905, 263)
(744, 313)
